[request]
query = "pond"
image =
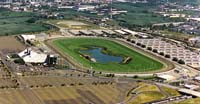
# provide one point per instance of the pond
(96, 53)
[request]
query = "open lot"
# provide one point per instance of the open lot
(72, 24)
(10, 43)
(58, 81)
(103, 94)
(140, 63)
(148, 92)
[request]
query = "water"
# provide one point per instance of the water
(101, 57)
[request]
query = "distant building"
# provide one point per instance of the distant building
(84, 7)
(191, 86)
(165, 77)
(24, 38)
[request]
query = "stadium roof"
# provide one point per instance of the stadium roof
(191, 92)
(120, 32)
(30, 56)
(130, 31)
(166, 77)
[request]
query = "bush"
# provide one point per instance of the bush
(181, 62)
(143, 46)
(155, 50)
(135, 76)
(132, 41)
(149, 48)
(139, 44)
(31, 20)
(167, 56)
(161, 53)
(175, 59)
(129, 40)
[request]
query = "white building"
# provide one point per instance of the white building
(120, 32)
(166, 77)
(130, 31)
(30, 56)
(85, 7)
(27, 37)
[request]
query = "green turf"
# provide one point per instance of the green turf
(16, 23)
(139, 63)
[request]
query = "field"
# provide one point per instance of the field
(72, 24)
(139, 62)
(11, 44)
(62, 95)
(16, 23)
(138, 14)
(147, 92)
(58, 81)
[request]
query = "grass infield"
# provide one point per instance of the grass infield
(139, 62)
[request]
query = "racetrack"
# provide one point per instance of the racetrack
(140, 64)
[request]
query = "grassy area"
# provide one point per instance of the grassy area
(147, 87)
(72, 14)
(73, 24)
(149, 92)
(147, 97)
(170, 91)
(16, 23)
(138, 14)
(139, 62)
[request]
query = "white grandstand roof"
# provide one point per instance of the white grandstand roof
(130, 31)
(76, 32)
(166, 77)
(120, 31)
(97, 31)
(30, 56)
(109, 31)
(86, 32)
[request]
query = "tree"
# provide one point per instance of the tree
(181, 61)
(31, 20)
(167, 56)
(135, 76)
(132, 41)
(62, 84)
(143, 46)
(161, 53)
(149, 48)
(155, 50)
(138, 44)
(128, 40)
(175, 59)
